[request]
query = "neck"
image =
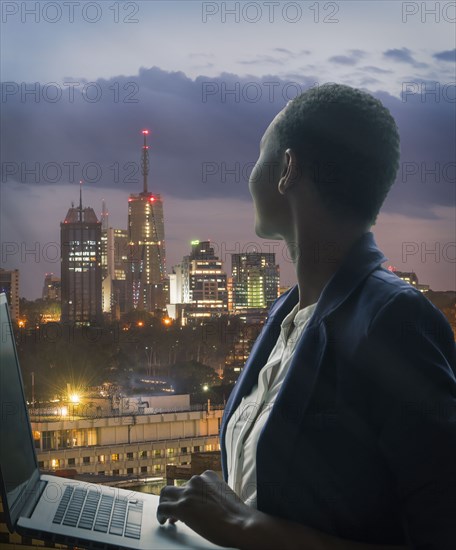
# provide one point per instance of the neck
(318, 254)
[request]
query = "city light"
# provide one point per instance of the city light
(74, 398)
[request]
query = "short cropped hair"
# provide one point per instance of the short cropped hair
(348, 143)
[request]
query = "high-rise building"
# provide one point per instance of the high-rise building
(81, 275)
(9, 284)
(255, 279)
(207, 280)
(200, 282)
(52, 287)
(118, 262)
(119, 239)
(146, 265)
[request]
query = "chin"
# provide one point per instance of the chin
(265, 233)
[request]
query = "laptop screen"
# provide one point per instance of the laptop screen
(17, 454)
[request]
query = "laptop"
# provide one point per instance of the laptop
(66, 511)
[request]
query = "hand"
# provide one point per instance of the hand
(208, 506)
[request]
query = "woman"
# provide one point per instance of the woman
(341, 430)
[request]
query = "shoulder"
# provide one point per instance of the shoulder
(385, 298)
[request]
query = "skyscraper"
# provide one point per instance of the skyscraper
(255, 279)
(146, 265)
(51, 287)
(80, 238)
(200, 282)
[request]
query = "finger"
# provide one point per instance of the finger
(167, 510)
(170, 492)
(210, 475)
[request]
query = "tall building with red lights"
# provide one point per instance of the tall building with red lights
(146, 266)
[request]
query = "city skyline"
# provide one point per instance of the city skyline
(416, 250)
(76, 113)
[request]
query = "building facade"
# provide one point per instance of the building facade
(256, 280)
(142, 444)
(200, 283)
(81, 272)
(52, 287)
(146, 264)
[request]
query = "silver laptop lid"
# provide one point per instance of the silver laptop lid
(18, 466)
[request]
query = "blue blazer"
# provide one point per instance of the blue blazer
(361, 440)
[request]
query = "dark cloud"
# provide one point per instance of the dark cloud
(204, 135)
(343, 60)
(404, 55)
(358, 53)
(366, 81)
(283, 50)
(352, 59)
(202, 148)
(284, 56)
(447, 55)
(376, 70)
(261, 59)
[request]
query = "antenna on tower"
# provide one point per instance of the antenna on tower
(145, 160)
(80, 200)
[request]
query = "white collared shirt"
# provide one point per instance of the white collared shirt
(247, 421)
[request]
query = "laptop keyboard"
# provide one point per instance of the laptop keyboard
(89, 509)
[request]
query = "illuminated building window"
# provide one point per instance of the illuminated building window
(143, 454)
(101, 459)
(115, 457)
(55, 463)
(36, 439)
(157, 468)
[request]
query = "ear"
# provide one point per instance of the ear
(289, 174)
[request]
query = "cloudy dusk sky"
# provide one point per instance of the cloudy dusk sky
(81, 79)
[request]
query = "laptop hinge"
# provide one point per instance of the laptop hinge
(32, 497)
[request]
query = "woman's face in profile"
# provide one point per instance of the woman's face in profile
(263, 186)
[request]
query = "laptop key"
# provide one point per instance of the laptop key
(63, 504)
(133, 523)
(75, 507)
(104, 514)
(89, 510)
